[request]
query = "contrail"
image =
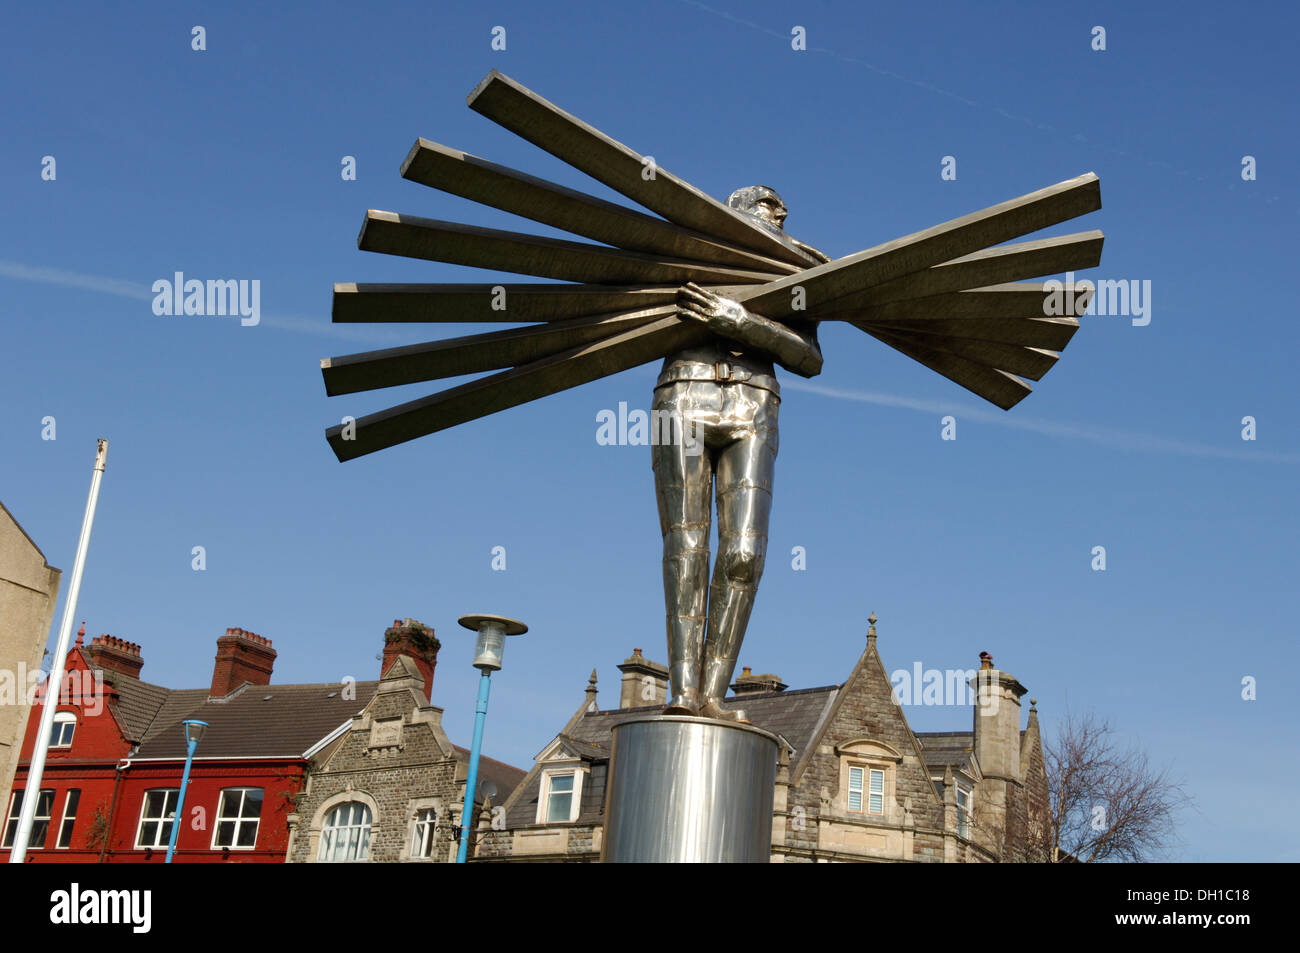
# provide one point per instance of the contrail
(1104, 436)
(124, 288)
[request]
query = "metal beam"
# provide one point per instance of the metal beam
(475, 353)
(1012, 300)
(413, 237)
(1044, 256)
(1051, 333)
(1028, 362)
(933, 246)
(998, 387)
(589, 150)
(487, 183)
(487, 395)
(473, 303)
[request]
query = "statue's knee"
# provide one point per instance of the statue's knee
(742, 563)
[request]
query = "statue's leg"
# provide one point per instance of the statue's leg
(684, 487)
(745, 470)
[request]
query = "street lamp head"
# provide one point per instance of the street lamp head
(491, 643)
(194, 730)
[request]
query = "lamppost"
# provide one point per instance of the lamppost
(193, 735)
(488, 650)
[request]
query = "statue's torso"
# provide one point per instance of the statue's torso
(722, 360)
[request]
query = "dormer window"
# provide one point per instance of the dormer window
(65, 725)
(561, 795)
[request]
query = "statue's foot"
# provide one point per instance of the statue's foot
(687, 703)
(712, 709)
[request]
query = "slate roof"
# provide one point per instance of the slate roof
(259, 721)
(505, 776)
(943, 749)
(794, 715)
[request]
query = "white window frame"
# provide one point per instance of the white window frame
(865, 791)
(15, 814)
(357, 846)
(62, 719)
(577, 772)
(237, 819)
(427, 825)
(963, 810)
(171, 795)
(68, 819)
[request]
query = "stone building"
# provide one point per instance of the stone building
(854, 782)
(389, 785)
(29, 587)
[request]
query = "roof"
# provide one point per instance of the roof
(505, 776)
(796, 716)
(943, 749)
(258, 721)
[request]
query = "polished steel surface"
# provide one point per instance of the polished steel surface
(725, 395)
(689, 790)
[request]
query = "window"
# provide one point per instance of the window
(40, 825)
(65, 723)
(874, 779)
(346, 833)
(69, 818)
(963, 811)
(156, 818)
(561, 796)
(426, 830)
(237, 818)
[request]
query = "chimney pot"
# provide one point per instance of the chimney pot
(241, 657)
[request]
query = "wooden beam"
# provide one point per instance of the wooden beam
(998, 387)
(519, 385)
(412, 237)
(471, 303)
(475, 353)
(589, 150)
(487, 183)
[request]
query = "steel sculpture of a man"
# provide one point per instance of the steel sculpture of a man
(724, 397)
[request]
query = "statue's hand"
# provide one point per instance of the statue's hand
(722, 315)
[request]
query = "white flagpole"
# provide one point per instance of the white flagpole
(53, 685)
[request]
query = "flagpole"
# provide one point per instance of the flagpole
(36, 772)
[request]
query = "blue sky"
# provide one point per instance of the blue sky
(225, 164)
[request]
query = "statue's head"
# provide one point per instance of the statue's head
(760, 202)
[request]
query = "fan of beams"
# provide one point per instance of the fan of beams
(945, 296)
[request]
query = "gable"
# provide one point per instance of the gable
(865, 718)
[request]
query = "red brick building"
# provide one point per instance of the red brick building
(113, 773)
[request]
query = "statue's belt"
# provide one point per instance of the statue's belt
(721, 372)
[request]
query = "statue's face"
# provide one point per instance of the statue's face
(771, 210)
(760, 202)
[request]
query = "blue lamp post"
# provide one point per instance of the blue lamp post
(488, 651)
(193, 734)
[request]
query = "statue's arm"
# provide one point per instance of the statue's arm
(795, 349)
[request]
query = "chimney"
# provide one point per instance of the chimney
(750, 684)
(997, 721)
(417, 642)
(644, 682)
(114, 655)
(241, 657)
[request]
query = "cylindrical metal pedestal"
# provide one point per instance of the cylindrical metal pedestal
(689, 790)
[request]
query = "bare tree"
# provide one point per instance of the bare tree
(1106, 802)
